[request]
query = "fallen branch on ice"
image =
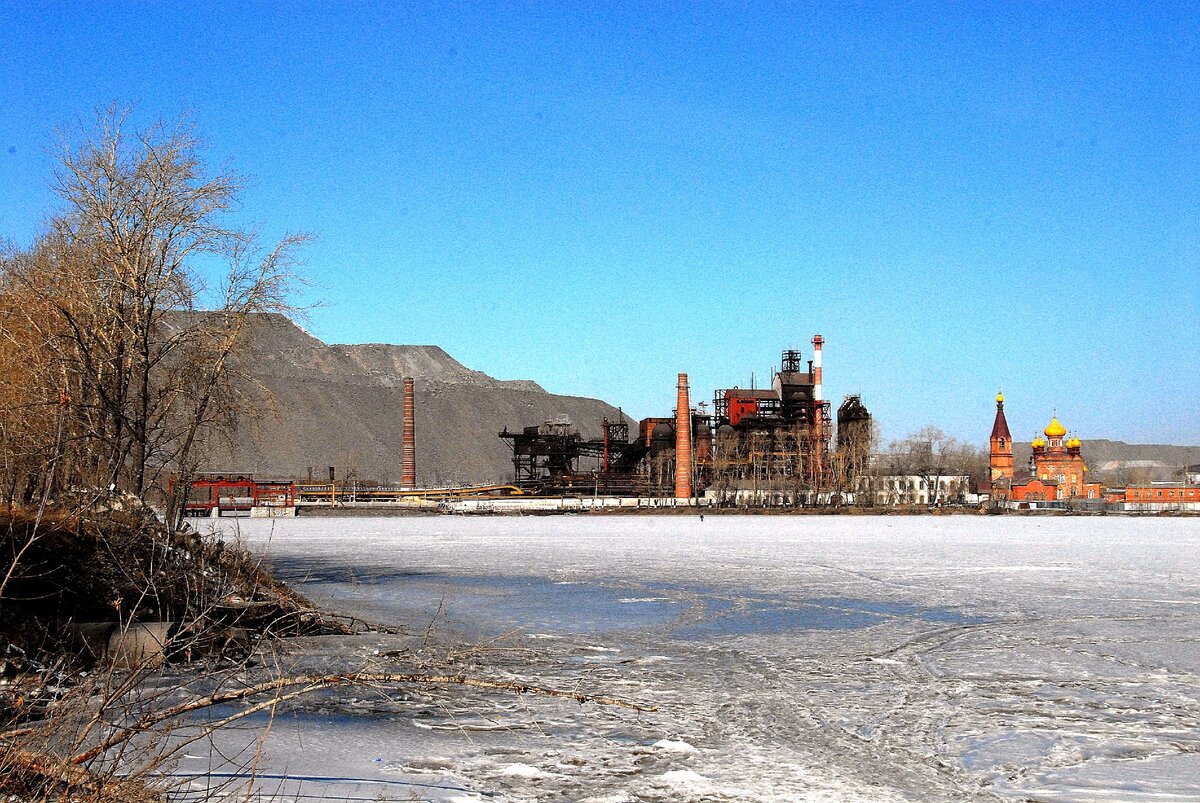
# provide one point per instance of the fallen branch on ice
(304, 684)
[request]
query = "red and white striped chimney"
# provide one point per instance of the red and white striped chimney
(408, 448)
(683, 441)
(818, 390)
(818, 423)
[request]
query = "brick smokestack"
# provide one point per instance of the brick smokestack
(408, 449)
(683, 441)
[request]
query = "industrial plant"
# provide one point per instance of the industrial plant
(773, 445)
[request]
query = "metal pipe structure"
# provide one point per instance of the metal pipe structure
(408, 448)
(683, 441)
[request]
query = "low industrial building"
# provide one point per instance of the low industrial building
(921, 489)
(1157, 497)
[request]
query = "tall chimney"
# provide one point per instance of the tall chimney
(408, 449)
(819, 434)
(683, 441)
(818, 391)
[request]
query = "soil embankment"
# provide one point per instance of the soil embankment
(67, 575)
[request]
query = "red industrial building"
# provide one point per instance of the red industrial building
(790, 421)
(1156, 497)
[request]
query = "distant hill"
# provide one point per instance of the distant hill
(333, 405)
(1118, 462)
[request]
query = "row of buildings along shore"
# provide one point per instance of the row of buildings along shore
(1057, 477)
(774, 446)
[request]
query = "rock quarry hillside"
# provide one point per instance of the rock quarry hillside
(1117, 462)
(333, 405)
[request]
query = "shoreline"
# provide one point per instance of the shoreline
(402, 512)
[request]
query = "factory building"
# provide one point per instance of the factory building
(757, 443)
(777, 437)
(855, 443)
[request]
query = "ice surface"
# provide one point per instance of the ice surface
(791, 658)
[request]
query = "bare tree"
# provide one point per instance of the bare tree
(936, 462)
(107, 301)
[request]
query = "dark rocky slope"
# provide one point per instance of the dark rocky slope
(333, 405)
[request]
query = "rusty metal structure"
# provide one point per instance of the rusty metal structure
(855, 444)
(774, 439)
(218, 493)
(779, 434)
(553, 458)
(853, 424)
(550, 459)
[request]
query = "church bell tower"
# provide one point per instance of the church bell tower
(1001, 457)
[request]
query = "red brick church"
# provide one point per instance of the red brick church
(1057, 471)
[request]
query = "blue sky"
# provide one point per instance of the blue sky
(957, 197)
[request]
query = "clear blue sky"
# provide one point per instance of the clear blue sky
(958, 198)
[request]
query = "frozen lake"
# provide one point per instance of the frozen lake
(790, 658)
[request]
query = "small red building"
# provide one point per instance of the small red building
(1035, 490)
(236, 493)
(742, 403)
(1161, 496)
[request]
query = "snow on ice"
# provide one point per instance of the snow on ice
(790, 658)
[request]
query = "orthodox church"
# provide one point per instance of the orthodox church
(1057, 471)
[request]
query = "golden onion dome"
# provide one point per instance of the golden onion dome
(1055, 430)
(1074, 443)
(1038, 443)
(1000, 397)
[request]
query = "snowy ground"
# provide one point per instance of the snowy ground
(790, 658)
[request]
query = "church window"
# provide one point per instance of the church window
(1002, 443)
